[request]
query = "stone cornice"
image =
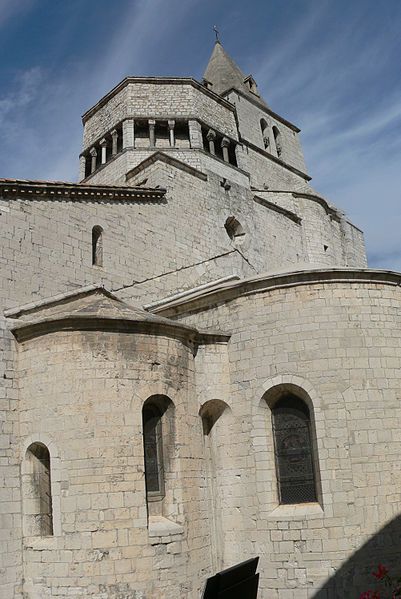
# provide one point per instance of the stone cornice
(156, 81)
(264, 108)
(75, 191)
(332, 211)
(94, 308)
(268, 282)
(291, 215)
(24, 331)
(274, 159)
(182, 294)
(55, 299)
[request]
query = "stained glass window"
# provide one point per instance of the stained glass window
(293, 451)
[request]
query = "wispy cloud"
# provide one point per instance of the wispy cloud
(143, 32)
(24, 92)
(280, 51)
(51, 127)
(340, 90)
(12, 8)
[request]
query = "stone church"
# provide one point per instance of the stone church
(197, 365)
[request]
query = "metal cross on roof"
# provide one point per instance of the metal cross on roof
(217, 32)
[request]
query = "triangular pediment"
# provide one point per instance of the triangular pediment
(140, 169)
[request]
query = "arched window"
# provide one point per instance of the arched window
(265, 133)
(37, 496)
(158, 443)
(97, 246)
(153, 450)
(277, 140)
(295, 463)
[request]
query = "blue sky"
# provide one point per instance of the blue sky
(333, 67)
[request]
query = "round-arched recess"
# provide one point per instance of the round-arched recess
(210, 412)
(217, 424)
(37, 491)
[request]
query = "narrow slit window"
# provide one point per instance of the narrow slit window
(265, 133)
(294, 454)
(277, 140)
(97, 246)
(153, 451)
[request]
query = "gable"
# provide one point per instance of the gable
(136, 174)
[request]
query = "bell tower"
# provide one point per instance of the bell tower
(264, 134)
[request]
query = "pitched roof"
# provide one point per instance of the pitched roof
(224, 74)
(88, 308)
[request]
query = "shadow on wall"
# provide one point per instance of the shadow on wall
(355, 575)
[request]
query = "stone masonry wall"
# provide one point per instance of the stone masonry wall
(266, 232)
(114, 172)
(249, 117)
(81, 394)
(10, 499)
(107, 117)
(168, 247)
(339, 345)
(159, 100)
(51, 240)
(266, 172)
